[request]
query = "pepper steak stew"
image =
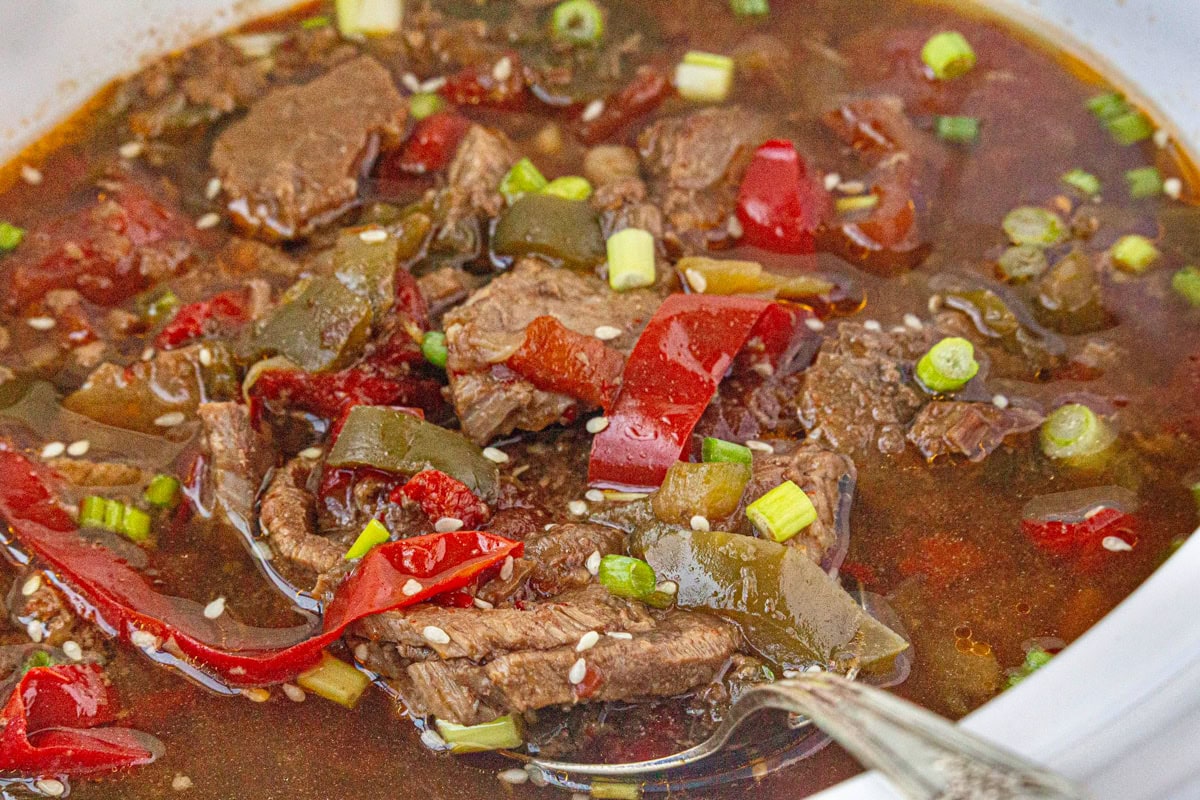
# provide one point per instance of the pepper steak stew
(566, 369)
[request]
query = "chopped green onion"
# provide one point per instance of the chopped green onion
(425, 104)
(861, 202)
(314, 22)
(1186, 283)
(114, 512)
(1144, 182)
(1023, 262)
(162, 306)
(948, 55)
(630, 259)
(1131, 127)
(134, 524)
(606, 789)
(1109, 105)
(577, 22)
(433, 347)
(92, 511)
(571, 187)
(704, 77)
(374, 534)
(38, 658)
(1085, 182)
(115, 516)
(163, 491)
(1035, 659)
(750, 8)
(10, 236)
(334, 680)
(1034, 225)
(960, 130)
(502, 733)
(368, 17)
(718, 450)
(948, 365)
(1074, 431)
(627, 577)
(524, 178)
(1134, 253)
(782, 512)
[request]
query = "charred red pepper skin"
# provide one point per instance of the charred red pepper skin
(440, 495)
(555, 358)
(431, 146)
(644, 93)
(220, 313)
(480, 86)
(780, 206)
(50, 725)
(1082, 540)
(121, 596)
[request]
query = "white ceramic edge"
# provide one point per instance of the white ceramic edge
(1118, 710)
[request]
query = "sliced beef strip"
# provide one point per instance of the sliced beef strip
(445, 287)
(860, 392)
(697, 163)
(59, 622)
(974, 430)
(294, 160)
(554, 561)
(485, 331)
(623, 204)
(473, 178)
(238, 458)
(686, 650)
(288, 516)
(100, 474)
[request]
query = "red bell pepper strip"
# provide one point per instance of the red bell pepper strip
(486, 85)
(238, 655)
(781, 207)
(642, 95)
(50, 725)
(555, 358)
(440, 495)
(670, 379)
(431, 146)
(1084, 537)
(197, 320)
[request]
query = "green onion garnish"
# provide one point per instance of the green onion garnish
(37, 659)
(134, 524)
(1087, 183)
(1074, 431)
(368, 17)
(948, 365)
(750, 8)
(1035, 659)
(92, 511)
(1186, 283)
(630, 259)
(782, 512)
(1144, 182)
(10, 237)
(433, 347)
(1133, 253)
(502, 733)
(704, 77)
(334, 680)
(162, 306)
(571, 187)
(959, 130)
(314, 22)
(1131, 127)
(860, 202)
(627, 577)
(162, 491)
(1109, 105)
(425, 104)
(1034, 225)
(948, 55)
(524, 178)
(373, 534)
(607, 789)
(577, 22)
(718, 450)
(1023, 262)
(115, 516)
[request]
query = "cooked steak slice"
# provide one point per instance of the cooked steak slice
(238, 459)
(482, 333)
(473, 178)
(97, 474)
(294, 160)
(558, 555)
(445, 287)
(974, 430)
(686, 650)
(288, 516)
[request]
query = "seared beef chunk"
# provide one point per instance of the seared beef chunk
(554, 561)
(445, 288)
(101, 474)
(294, 160)
(973, 430)
(860, 392)
(288, 517)
(622, 204)
(685, 650)
(484, 332)
(697, 163)
(238, 457)
(57, 621)
(473, 178)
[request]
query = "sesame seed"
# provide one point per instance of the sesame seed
(899, 329)
(373, 235)
(667, 587)
(262, 550)
(592, 110)
(41, 323)
(935, 303)
(596, 424)
(814, 668)
(448, 525)
(873, 325)
(791, 673)
(51, 787)
(831, 181)
(147, 354)
(495, 455)
(143, 639)
(592, 564)
(432, 739)
(79, 448)
(1115, 544)
(760, 446)
(814, 324)
(435, 635)
(578, 672)
(1000, 401)
(503, 69)
(536, 776)
(256, 694)
(215, 609)
(577, 507)
(506, 569)
(699, 523)
(433, 84)
(131, 149)
(212, 188)
(206, 357)
(361, 652)
(31, 174)
(587, 641)
(1173, 188)
(54, 450)
(181, 783)
(169, 419)
(34, 629)
(293, 692)
(411, 587)
(606, 333)
(852, 187)
(483, 604)
(619, 635)
(1161, 138)
(514, 776)
(734, 226)
(72, 650)
(30, 587)
(411, 82)
(696, 280)
(594, 496)
(210, 220)
(912, 321)
(311, 453)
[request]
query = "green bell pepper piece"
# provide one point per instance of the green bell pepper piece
(564, 230)
(320, 327)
